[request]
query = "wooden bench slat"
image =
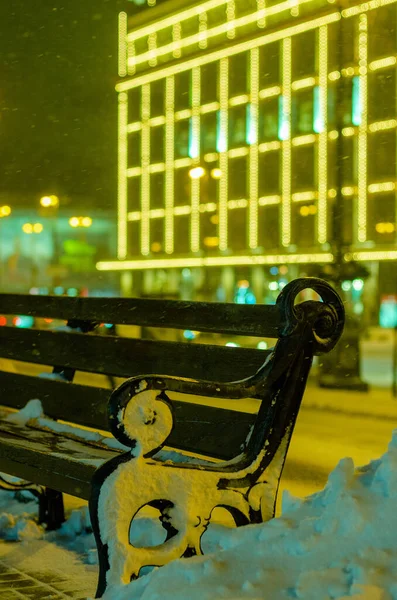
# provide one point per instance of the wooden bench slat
(233, 319)
(198, 428)
(50, 459)
(126, 357)
(86, 405)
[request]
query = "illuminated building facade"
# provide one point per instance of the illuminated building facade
(230, 134)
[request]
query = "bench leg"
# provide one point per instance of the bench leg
(51, 510)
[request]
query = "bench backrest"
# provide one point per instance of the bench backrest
(198, 428)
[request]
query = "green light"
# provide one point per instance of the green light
(283, 122)
(356, 101)
(221, 141)
(251, 129)
(318, 119)
(194, 142)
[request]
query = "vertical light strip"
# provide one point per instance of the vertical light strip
(176, 38)
(203, 23)
(362, 129)
(254, 156)
(195, 182)
(131, 58)
(152, 47)
(322, 136)
(223, 159)
(286, 145)
(230, 18)
(145, 177)
(122, 177)
(122, 44)
(261, 6)
(169, 164)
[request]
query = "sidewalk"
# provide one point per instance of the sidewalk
(377, 403)
(35, 565)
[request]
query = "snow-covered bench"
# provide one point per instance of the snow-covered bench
(192, 398)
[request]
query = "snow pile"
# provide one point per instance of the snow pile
(338, 543)
(33, 411)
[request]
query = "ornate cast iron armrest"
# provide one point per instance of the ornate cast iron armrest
(140, 416)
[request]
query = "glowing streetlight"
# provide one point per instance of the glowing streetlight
(27, 228)
(86, 221)
(74, 222)
(196, 172)
(80, 221)
(37, 228)
(216, 173)
(49, 201)
(32, 228)
(5, 211)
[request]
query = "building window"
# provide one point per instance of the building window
(382, 95)
(181, 138)
(268, 119)
(382, 218)
(134, 149)
(348, 221)
(269, 173)
(181, 187)
(182, 90)
(269, 65)
(304, 55)
(348, 160)
(348, 38)
(304, 224)
(382, 156)
(209, 184)
(209, 230)
(134, 193)
(134, 105)
(302, 112)
(156, 235)
(157, 190)
(134, 238)
(238, 74)
(343, 157)
(269, 227)
(208, 132)
(157, 94)
(209, 82)
(238, 126)
(237, 225)
(157, 144)
(333, 45)
(246, 8)
(382, 40)
(331, 106)
(303, 168)
(182, 234)
(237, 178)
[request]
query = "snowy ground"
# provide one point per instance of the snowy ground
(338, 543)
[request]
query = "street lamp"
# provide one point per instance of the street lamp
(32, 228)
(80, 222)
(49, 201)
(5, 211)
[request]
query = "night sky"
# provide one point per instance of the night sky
(58, 106)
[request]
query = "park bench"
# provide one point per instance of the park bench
(183, 442)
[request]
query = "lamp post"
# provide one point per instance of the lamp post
(33, 229)
(50, 205)
(5, 211)
(341, 369)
